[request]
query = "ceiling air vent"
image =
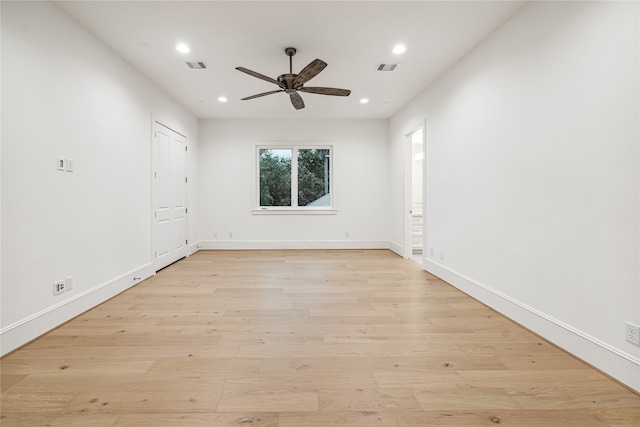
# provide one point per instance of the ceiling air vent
(196, 65)
(387, 67)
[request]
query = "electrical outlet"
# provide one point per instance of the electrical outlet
(431, 251)
(231, 234)
(441, 255)
(346, 234)
(58, 287)
(632, 333)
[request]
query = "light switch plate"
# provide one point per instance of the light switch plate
(69, 165)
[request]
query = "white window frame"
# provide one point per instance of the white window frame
(294, 209)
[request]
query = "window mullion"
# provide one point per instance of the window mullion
(294, 177)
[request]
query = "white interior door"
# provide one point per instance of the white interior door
(169, 181)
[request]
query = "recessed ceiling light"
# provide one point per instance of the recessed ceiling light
(183, 48)
(364, 100)
(398, 49)
(222, 99)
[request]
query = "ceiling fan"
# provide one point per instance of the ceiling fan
(291, 83)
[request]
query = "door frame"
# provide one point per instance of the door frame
(408, 192)
(154, 127)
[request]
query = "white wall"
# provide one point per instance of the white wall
(65, 94)
(533, 176)
(227, 182)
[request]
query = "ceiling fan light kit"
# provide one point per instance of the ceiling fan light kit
(291, 83)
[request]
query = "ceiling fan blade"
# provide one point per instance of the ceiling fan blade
(297, 101)
(309, 72)
(258, 75)
(261, 94)
(326, 91)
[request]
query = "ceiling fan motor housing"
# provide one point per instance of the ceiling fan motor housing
(286, 83)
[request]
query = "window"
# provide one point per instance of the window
(294, 178)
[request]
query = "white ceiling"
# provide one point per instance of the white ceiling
(353, 37)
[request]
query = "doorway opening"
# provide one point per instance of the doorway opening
(415, 234)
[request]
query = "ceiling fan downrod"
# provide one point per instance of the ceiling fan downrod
(290, 51)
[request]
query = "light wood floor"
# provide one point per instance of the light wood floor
(296, 339)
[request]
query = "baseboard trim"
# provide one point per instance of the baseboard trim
(291, 244)
(193, 248)
(398, 249)
(26, 330)
(614, 362)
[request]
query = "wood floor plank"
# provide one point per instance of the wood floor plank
(56, 419)
(462, 399)
(43, 383)
(372, 338)
(298, 381)
(542, 361)
(351, 400)
(269, 401)
(122, 402)
(195, 366)
(422, 380)
(330, 366)
(109, 349)
(36, 402)
(77, 366)
(301, 338)
(249, 419)
(484, 338)
(618, 417)
(342, 350)
(572, 398)
(9, 380)
(519, 418)
(577, 378)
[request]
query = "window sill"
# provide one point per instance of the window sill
(290, 211)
